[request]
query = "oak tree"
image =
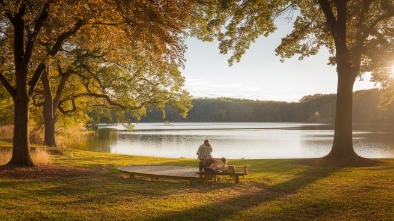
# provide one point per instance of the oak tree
(99, 79)
(358, 33)
(34, 34)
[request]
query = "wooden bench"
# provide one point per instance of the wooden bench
(232, 172)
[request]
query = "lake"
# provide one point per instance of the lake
(236, 140)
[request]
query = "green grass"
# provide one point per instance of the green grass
(90, 188)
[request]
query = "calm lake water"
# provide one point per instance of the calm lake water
(237, 140)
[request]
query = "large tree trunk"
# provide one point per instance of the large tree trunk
(21, 97)
(21, 144)
(343, 140)
(50, 122)
(23, 46)
(48, 112)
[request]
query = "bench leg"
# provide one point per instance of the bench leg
(236, 179)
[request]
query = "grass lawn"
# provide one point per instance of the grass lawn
(81, 185)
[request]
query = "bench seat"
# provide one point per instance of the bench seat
(234, 174)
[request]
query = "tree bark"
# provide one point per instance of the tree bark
(347, 70)
(21, 143)
(48, 112)
(343, 139)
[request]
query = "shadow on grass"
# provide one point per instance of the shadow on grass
(93, 189)
(227, 208)
(352, 161)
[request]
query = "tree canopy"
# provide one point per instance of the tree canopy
(358, 34)
(125, 52)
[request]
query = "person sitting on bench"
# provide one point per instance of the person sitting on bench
(215, 165)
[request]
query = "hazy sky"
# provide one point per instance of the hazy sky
(260, 74)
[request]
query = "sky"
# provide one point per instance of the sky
(259, 75)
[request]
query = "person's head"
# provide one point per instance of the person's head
(207, 143)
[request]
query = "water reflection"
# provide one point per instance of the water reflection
(98, 141)
(235, 140)
(375, 145)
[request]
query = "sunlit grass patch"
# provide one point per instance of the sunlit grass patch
(39, 156)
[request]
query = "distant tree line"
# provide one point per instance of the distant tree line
(311, 108)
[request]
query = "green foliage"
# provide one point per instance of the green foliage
(6, 108)
(109, 64)
(359, 33)
(311, 97)
(236, 24)
(109, 53)
(311, 108)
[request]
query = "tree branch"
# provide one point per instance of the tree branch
(65, 112)
(61, 86)
(11, 18)
(341, 18)
(375, 22)
(56, 47)
(363, 13)
(36, 77)
(73, 97)
(94, 76)
(32, 37)
(7, 86)
(331, 20)
(19, 36)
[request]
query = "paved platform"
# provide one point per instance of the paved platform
(162, 171)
